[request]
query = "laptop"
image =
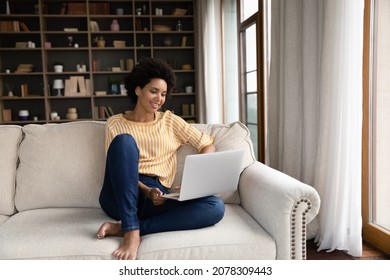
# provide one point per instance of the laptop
(209, 174)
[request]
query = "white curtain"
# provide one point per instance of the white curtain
(209, 62)
(315, 109)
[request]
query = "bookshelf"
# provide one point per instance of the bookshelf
(38, 38)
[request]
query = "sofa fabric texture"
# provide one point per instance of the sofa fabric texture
(51, 179)
(60, 166)
(10, 138)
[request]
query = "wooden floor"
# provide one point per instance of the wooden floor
(369, 253)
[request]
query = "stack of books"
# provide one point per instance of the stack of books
(77, 86)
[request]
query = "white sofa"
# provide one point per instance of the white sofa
(50, 179)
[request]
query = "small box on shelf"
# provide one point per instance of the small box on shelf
(7, 115)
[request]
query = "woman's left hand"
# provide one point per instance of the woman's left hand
(155, 195)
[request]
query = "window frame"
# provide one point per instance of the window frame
(258, 19)
(372, 233)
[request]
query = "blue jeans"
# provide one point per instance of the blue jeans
(121, 199)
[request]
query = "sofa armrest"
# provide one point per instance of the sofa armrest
(282, 205)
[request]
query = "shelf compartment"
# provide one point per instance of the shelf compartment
(67, 58)
(35, 106)
(105, 106)
(63, 23)
(62, 104)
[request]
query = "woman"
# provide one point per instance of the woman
(141, 164)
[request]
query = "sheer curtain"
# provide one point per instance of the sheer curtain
(209, 61)
(315, 110)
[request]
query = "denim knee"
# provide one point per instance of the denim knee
(123, 139)
(217, 208)
(123, 143)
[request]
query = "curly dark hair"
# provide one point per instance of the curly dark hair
(146, 70)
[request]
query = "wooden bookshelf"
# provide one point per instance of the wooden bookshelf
(40, 33)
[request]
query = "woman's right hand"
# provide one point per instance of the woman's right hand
(155, 195)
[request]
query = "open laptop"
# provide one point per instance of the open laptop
(209, 174)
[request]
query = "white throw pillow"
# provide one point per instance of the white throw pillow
(61, 165)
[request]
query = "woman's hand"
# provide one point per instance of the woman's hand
(155, 195)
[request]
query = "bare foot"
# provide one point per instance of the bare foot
(129, 248)
(109, 229)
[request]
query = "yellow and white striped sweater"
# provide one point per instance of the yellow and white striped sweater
(158, 142)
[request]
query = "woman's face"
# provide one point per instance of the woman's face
(152, 96)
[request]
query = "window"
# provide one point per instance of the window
(248, 8)
(376, 130)
(251, 82)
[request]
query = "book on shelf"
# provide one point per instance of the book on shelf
(88, 86)
(188, 110)
(99, 8)
(126, 64)
(184, 41)
(77, 9)
(23, 26)
(9, 25)
(122, 64)
(104, 112)
(64, 7)
(77, 86)
(94, 26)
(24, 90)
(129, 64)
(24, 68)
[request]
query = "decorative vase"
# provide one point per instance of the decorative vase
(188, 89)
(58, 68)
(115, 25)
(114, 88)
(101, 43)
(72, 114)
(23, 115)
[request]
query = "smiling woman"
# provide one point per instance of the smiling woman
(141, 165)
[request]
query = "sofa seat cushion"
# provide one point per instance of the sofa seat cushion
(70, 233)
(56, 233)
(10, 137)
(237, 236)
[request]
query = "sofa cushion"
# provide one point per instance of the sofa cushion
(56, 233)
(236, 236)
(70, 233)
(234, 136)
(61, 165)
(10, 137)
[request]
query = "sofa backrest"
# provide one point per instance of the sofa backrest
(10, 137)
(61, 165)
